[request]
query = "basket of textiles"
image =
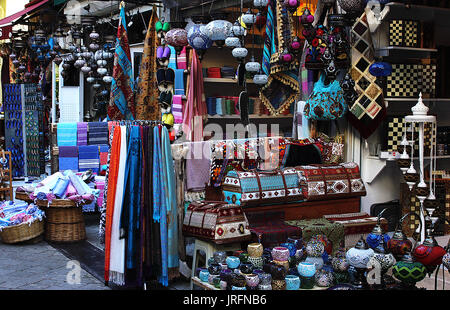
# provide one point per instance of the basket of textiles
(23, 196)
(61, 195)
(20, 222)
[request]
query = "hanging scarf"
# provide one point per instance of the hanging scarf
(196, 102)
(121, 103)
(282, 87)
(160, 203)
(117, 258)
(147, 94)
(369, 110)
(269, 39)
(129, 220)
(181, 59)
(171, 204)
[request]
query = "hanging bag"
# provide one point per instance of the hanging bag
(326, 102)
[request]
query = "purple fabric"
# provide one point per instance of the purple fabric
(82, 129)
(198, 164)
(68, 151)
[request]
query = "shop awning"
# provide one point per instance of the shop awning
(12, 18)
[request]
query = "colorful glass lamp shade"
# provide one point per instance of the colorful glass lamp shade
(408, 271)
(358, 257)
(429, 253)
(177, 38)
(380, 69)
(198, 39)
(377, 234)
(218, 31)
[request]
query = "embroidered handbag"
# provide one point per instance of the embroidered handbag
(325, 102)
(324, 182)
(251, 188)
(216, 221)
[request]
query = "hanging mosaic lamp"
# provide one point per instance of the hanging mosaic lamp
(90, 79)
(233, 42)
(177, 38)
(411, 177)
(86, 69)
(198, 39)
(295, 45)
(286, 56)
(239, 52)
(260, 3)
(218, 31)
(380, 69)
(102, 71)
(260, 78)
(107, 79)
(248, 18)
(358, 257)
(79, 63)
(306, 19)
(252, 65)
(429, 253)
(291, 5)
(237, 30)
(261, 20)
(94, 35)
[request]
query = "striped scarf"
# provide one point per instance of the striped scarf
(269, 38)
(121, 103)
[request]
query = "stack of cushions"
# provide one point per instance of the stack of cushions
(68, 158)
(66, 134)
(214, 72)
(98, 133)
(89, 158)
(82, 133)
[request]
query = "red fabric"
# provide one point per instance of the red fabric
(214, 72)
(15, 16)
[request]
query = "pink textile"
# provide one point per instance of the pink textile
(181, 59)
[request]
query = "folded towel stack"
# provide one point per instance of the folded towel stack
(98, 133)
(179, 82)
(214, 72)
(68, 158)
(82, 133)
(228, 72)
(177, 109)
(104, 154)
(88, 158)
(66, 134)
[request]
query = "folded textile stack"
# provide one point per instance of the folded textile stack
(103, 154)
(211, 105)
(98, 133)
(90, 207)
(179, 82)
(82, 133)
(228, 72)
(177, 108)
(100, 185)
(214, 72)
(65, 185)
(68, 158)
(88, 158)
(15, 213)
(66, 134)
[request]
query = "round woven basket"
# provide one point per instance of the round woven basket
(22, 232)
(23, 196)
(57, 203)
(64, 224)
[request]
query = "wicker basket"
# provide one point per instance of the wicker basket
(23, 196)
(22, 232)
(64, 224)
(57, 203)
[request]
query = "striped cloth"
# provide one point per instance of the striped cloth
(179, 82)
(68, 158)
(88, 158)
(82, 129)
(177, 109)
(98, 133)
(173, 58)
(220, 106)
(66, 134)
(104, 149)
(182, 59)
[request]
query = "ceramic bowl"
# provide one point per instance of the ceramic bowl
(246, 268)
(243, 257)
(317, 261)
(306, 269)
(307, 282)
(278, 285)
(296, 240)
(212, 278)
(315, 248)
(225, 275)
(233, 262)
(257, 262)
(214, 268)
(238, 280)
(255, 249)
(265, 278)
(280, 254)
(203, 275)
(284, 264)
(252, 280)
(292, 282)
(278, 272)
(324, 278)
(220, 257)
(265, 287)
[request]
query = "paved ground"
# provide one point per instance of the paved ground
(41, 267)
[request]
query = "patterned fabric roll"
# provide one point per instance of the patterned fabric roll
(219, 106)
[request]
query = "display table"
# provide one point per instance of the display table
(321, 226)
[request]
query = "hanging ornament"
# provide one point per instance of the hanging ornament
(94, 35)
(248, 19)
(260, 78)
(107, 79)
(86, 69)
(380, 69)
(239, 52)
(286, 56)
(90, 79)
(237, 30)
(260, 3)
(291, 5)
(233, 42)
(79, 63)
(218, 31)
(102, 71)
(177, 38)
(96, 86)
(307, 19)
(198, 39)
(252, 65)
(295, 45)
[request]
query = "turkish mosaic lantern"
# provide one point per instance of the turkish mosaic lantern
(408, 271)
(177, 38)
(340, 267)
(218, 31)
(198, 39)
(399, 244)
(382, 259)
(358, 257)
(446, 257)
(376, 235)
(429, 253)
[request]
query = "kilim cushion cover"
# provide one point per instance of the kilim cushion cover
(250, 188)
(216, 221)
(321, 182)
(270, 229)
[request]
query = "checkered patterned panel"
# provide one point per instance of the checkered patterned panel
(428, 79)
(404, 81)
(414, 221)
(396, 32)
(395, 133)
(411, 33)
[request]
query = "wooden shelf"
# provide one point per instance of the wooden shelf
(223, 80)
(411, 51)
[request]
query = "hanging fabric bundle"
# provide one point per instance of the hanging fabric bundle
(121, 103)
(147, 94)
(282, 87)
